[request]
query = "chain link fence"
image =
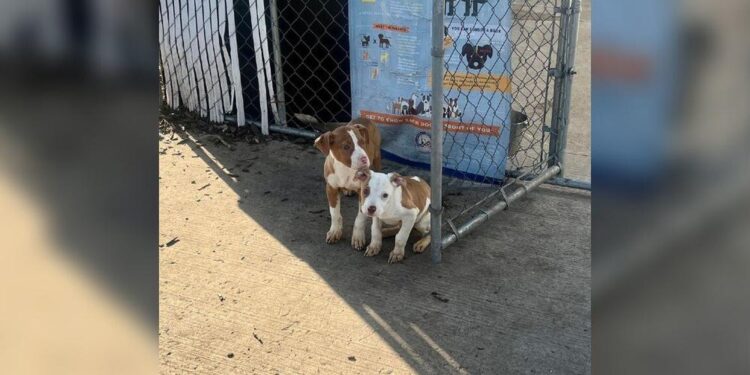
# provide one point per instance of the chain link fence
(284, 66)
(533, 32)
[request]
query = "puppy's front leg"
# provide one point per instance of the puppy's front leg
(423, 227)
(337, 222)
(358, 234)
(402, 236)
(376, 239)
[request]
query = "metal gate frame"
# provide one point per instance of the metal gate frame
(563, 73)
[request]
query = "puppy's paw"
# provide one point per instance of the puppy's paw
(349, 193)
(358, 240)
(373, 249)
(396, 256)
(333, 235)
(422, 245)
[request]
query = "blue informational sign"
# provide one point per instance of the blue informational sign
(391, 81)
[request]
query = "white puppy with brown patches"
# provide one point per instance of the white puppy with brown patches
(347, 149)
(393, 199)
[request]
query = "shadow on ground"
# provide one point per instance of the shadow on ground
(76, 147)
(512, 298)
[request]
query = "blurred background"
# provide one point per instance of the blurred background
(78, 186)
(79, 206)
(671, 184)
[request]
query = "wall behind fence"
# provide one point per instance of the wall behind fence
(217, 58)
(199, 57)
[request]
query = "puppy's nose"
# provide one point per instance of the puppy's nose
(371, 210)
(364, 160)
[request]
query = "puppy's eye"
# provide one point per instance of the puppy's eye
(367, 191)
(346, 147)
(385, 195)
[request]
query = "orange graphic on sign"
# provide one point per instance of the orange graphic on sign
(385, 26)
(470, 82)
(449, 126)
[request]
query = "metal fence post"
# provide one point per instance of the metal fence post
(571, 39)
(558, 84)
(276, 47)
(563, 72)
(436, 165)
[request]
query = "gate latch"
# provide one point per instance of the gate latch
(554, 72)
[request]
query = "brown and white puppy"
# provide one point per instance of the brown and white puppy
(393, 199)
(348, 148)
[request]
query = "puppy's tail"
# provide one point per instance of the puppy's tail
(390, 231)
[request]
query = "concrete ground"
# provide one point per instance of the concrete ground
(250, 286)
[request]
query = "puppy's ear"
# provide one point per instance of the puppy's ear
(362, 132)
(397, 180)
(323, 143)
(362, 175)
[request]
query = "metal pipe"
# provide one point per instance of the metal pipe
(570, 51)
(557, 181)
(277, 128)
(293, 131)
(569, 183)
(279, 71)
(436, 162)
(480, 218)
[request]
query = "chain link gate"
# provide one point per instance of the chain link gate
(284, 67)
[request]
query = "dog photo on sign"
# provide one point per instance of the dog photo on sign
(476, 56)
